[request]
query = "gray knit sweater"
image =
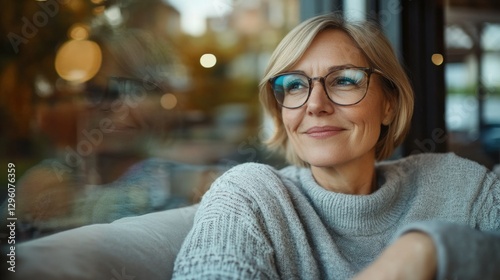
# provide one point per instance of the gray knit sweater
(259, 223)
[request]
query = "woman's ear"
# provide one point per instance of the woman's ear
(388, 114)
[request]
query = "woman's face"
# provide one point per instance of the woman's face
(325, 134)
(123, 111)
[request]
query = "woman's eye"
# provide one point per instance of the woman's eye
(295, 86)
(347, 78)
(346, 81)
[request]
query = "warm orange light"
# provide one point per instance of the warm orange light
(78, 32)
(99, 10)
(168, 101)
(78, 60)
(437, 59)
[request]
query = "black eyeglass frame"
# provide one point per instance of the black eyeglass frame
(368, 71)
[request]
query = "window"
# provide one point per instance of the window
(120, 108)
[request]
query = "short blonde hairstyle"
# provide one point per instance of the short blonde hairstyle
(379, 53)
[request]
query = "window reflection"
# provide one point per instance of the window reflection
(126, 120)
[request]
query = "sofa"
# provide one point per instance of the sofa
(140, 247)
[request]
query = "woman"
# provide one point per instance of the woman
(340, 102)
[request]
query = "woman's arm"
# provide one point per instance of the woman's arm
(429, 250)
(228, 240)
(453, 251)
(413, 256)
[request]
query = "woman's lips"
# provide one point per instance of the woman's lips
(323, 131)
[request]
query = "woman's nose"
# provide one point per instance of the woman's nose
(318, 102)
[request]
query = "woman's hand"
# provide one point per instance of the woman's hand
(412, 256)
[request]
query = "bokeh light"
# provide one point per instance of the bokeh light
(168, 101)
(78, 60)
(437, 59)
(208, 60)
(78, 32)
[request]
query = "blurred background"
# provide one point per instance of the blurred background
(114, 108)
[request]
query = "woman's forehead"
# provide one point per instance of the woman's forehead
(331, 48)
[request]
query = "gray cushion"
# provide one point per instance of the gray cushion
(141, 247)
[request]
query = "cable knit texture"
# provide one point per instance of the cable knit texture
(260, 223)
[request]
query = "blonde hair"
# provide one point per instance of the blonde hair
(379, 53)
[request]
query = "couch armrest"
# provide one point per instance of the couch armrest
(141, 247)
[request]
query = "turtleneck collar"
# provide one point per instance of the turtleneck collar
(359, 214)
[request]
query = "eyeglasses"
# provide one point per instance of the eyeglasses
(343, 86)
(119, 87)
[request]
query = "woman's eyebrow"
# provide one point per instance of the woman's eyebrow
(343, 66)
(330, 69)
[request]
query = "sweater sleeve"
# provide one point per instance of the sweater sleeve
(464, 252)
(227, 240)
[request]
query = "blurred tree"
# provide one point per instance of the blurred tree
(30, 32)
